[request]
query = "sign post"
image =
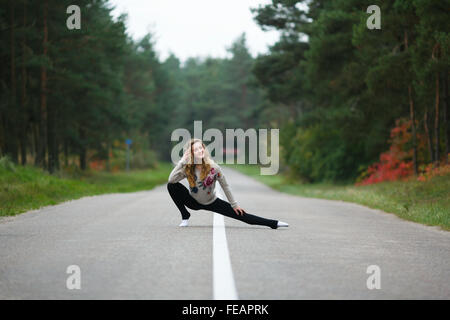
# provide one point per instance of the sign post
(128, 142)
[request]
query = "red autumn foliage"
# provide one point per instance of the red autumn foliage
(395, 164)
(97, 165)
(431, 171)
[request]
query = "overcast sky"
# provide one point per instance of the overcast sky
(195, 27)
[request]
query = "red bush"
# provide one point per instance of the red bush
(394, 164)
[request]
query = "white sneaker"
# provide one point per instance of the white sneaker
(282, 224)
(184, 223)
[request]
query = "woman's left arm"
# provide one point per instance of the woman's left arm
(226, 188)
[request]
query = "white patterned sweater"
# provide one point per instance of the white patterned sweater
(205, 190)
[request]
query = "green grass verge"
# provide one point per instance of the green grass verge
(423, 202)
(27, 188)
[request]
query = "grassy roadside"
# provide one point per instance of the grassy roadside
(423, 202)
(27, 188)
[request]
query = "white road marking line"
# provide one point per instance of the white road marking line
(224, 287)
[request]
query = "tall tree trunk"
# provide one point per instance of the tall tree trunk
(413, 118)
(2, 121)
(83, 158)
(436, 124)
(82, 153)
(35, 139)
(413, 129)
(53, 147)
(445, 111)
(23, 131)
(51, 139)
(12, 138)
(66, 153)
(428, 134)
(43, 111)
(57, 147)
(108, 159)
(3, 124)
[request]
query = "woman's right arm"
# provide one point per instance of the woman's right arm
(178, 173)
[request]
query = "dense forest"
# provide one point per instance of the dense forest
(348, 100)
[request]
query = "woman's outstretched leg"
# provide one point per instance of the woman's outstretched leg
(180, 195)
(225, 208)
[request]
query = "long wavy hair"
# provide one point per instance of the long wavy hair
(207, 163)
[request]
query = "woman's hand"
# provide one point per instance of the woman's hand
(186, 156)
(239, 210)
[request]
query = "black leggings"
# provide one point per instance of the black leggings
(180, 195)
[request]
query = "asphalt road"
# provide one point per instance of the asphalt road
(129, 246)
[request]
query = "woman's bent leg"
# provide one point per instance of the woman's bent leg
(225, 208)
(180, 195)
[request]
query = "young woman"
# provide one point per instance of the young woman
(202, 174)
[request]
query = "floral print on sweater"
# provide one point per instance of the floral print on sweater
(206, 183)
(204, 190)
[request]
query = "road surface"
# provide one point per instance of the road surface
(129, 246)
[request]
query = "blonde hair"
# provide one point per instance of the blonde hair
(207, 163)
